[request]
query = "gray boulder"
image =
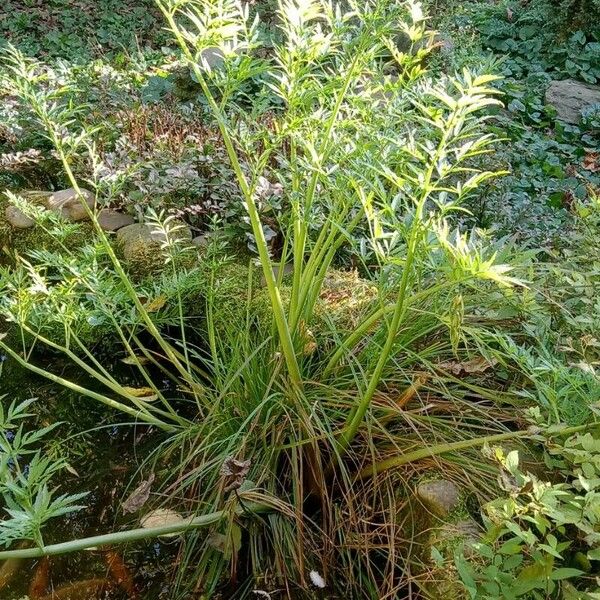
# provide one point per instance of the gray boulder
(68, 204)
(17, 218)
(441, 497)
(570, 97)
(113, 220)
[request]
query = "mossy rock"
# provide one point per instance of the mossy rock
(442, 523)
(140, 249)
(14, 241)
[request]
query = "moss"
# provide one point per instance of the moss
(344, 300)
(22, 241)
(141, 259)
(229, 287)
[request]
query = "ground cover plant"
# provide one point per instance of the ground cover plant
(299, 326)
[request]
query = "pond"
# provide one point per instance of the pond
(103, 457)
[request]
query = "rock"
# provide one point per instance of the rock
(112, 220)
(133, 232)
(288, 269)
(570, 97)
(203, 240)
(68, 203)
(163, 517)
(441, 497)
(140, 245)
(146, 232)
(17, 218)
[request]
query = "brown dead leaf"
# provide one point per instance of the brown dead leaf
(139, 496)
(591, 161)
(411, 391)
(234, 473)
(471, 367)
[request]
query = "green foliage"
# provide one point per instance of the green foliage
(545, 158)
(323, 142)
(80, 30)
(528, 548)
(26, 477)
(291, 375)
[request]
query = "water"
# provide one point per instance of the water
(102, 460)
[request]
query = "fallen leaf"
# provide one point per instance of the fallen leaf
(145, 393)
(475, 365)
(156, 304)
(591, 161)
(38, 586)
(139, 496)
(234, 472)
(71, 470)
(120, 572)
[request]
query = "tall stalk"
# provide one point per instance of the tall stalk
(283, 329)
(452, 126)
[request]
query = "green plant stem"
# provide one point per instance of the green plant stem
(358, 334)
(355, 418)
(130, 535)
(108, 380)
(300, 223)
(285, 336)
(137, 414)
(409, 457)
(165, 347)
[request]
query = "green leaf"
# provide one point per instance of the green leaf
(564, 573)
(594, 554)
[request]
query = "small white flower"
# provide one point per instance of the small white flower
(317, 580)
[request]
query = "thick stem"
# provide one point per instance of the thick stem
(285, 337)
(409, 457)
(131, 535)
(356, 417)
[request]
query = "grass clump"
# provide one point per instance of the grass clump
(296, 407)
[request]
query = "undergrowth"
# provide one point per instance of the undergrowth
(295, 404)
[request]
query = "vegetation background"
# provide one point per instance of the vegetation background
(319, 298)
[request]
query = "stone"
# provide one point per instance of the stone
(202, 241)
(68, 204)
(137, 231)
(441, 497)
(570, 97)
(132, 232)
(140, 245)
(113, 220)
(17, 218)
(288, 269)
